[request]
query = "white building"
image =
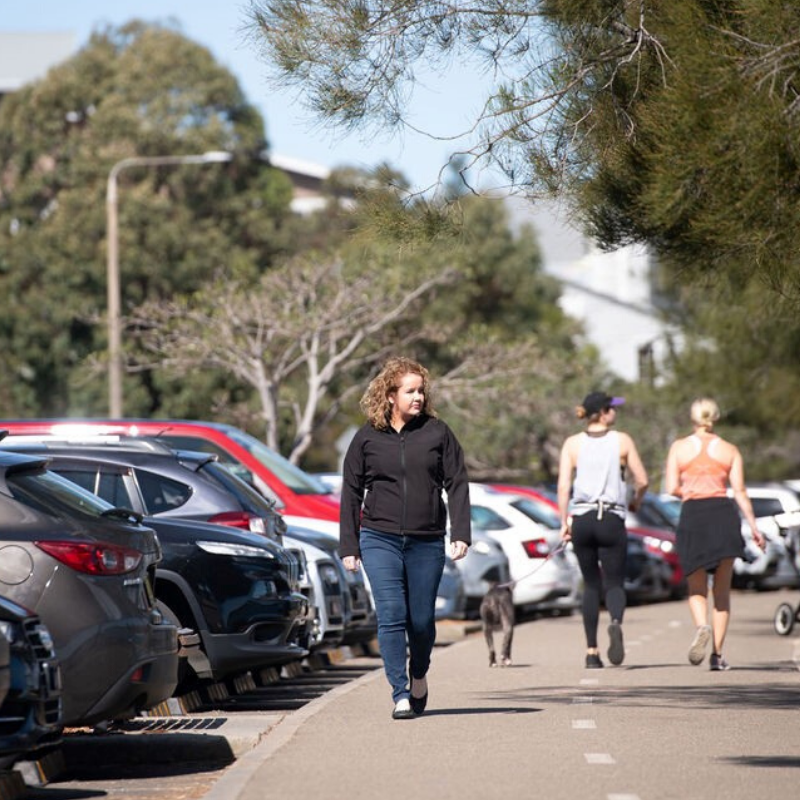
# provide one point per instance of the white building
(611, 293)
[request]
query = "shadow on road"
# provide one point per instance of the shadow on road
(765, 761)
(775, 696)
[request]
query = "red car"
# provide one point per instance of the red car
(296, 493)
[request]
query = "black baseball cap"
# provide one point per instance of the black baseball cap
(595, 402)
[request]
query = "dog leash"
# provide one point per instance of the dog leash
(560, 549)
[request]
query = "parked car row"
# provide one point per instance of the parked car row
(152, 570)
(777, 510)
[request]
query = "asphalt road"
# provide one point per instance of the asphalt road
(655, 728)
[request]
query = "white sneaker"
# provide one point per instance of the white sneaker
(402, 709)
(697, 650)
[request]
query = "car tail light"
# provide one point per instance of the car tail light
(94, 558)
(537, 548)
(240, 519)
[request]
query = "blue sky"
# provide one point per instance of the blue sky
(442, 107)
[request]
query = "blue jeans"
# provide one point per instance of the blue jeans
(404, 573)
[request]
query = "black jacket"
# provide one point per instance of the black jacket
(399, 478)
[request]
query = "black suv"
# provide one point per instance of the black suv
(238, 590)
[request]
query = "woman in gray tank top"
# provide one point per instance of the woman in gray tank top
(598, 458)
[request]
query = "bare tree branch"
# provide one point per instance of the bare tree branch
(309, 317)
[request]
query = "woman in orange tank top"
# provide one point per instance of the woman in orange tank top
(699, 469)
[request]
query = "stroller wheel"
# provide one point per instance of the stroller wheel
(784, 619)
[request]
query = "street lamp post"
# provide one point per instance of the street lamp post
(114, 301)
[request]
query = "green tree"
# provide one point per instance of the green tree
(670, 124)
(674, 124)
(136, 90)
(301, 343)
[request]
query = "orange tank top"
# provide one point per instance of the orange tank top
(703, 476)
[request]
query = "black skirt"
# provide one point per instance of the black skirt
(708, 531)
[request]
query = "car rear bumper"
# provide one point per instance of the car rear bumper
(150, 678)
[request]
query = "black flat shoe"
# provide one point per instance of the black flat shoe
(418, 703)
(593, 661)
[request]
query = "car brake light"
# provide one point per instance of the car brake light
(94, 558)
(537, 548)
(237, 519)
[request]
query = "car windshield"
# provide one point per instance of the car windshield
(299, 481)
(670, 508)
(766, 506)
(538, 512)
(249, 499)
(54, 495)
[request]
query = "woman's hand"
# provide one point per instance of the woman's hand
(566, 531)
(352, 563)
(758, 537)
(458, 550)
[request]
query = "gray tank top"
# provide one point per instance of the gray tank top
(598, 476)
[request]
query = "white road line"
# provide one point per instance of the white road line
(599, 758)
(584, 724)
(589, 681)
(622, 797)
(582, 700)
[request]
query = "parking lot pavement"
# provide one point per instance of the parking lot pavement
(655, 728)
(179, 757)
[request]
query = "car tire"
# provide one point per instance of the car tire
(187, 678)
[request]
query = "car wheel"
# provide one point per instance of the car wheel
(187, 678)
(784, 619)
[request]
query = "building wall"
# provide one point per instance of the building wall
(609, 292)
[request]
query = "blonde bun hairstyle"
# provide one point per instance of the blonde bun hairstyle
(704, 413)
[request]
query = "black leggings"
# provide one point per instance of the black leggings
(601, 546)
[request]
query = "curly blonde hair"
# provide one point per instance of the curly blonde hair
(375, 402)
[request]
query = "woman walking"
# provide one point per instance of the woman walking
(393, 519)
(699, 469)
(599, 458)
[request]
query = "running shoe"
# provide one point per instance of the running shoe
(717, 663)
(593, 661)
(697, 650)
(616, 648)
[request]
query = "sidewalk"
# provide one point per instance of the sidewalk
(655, 727)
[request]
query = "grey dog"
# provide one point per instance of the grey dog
(497, 613)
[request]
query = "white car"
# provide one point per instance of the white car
(544, 579)
(777, 511)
